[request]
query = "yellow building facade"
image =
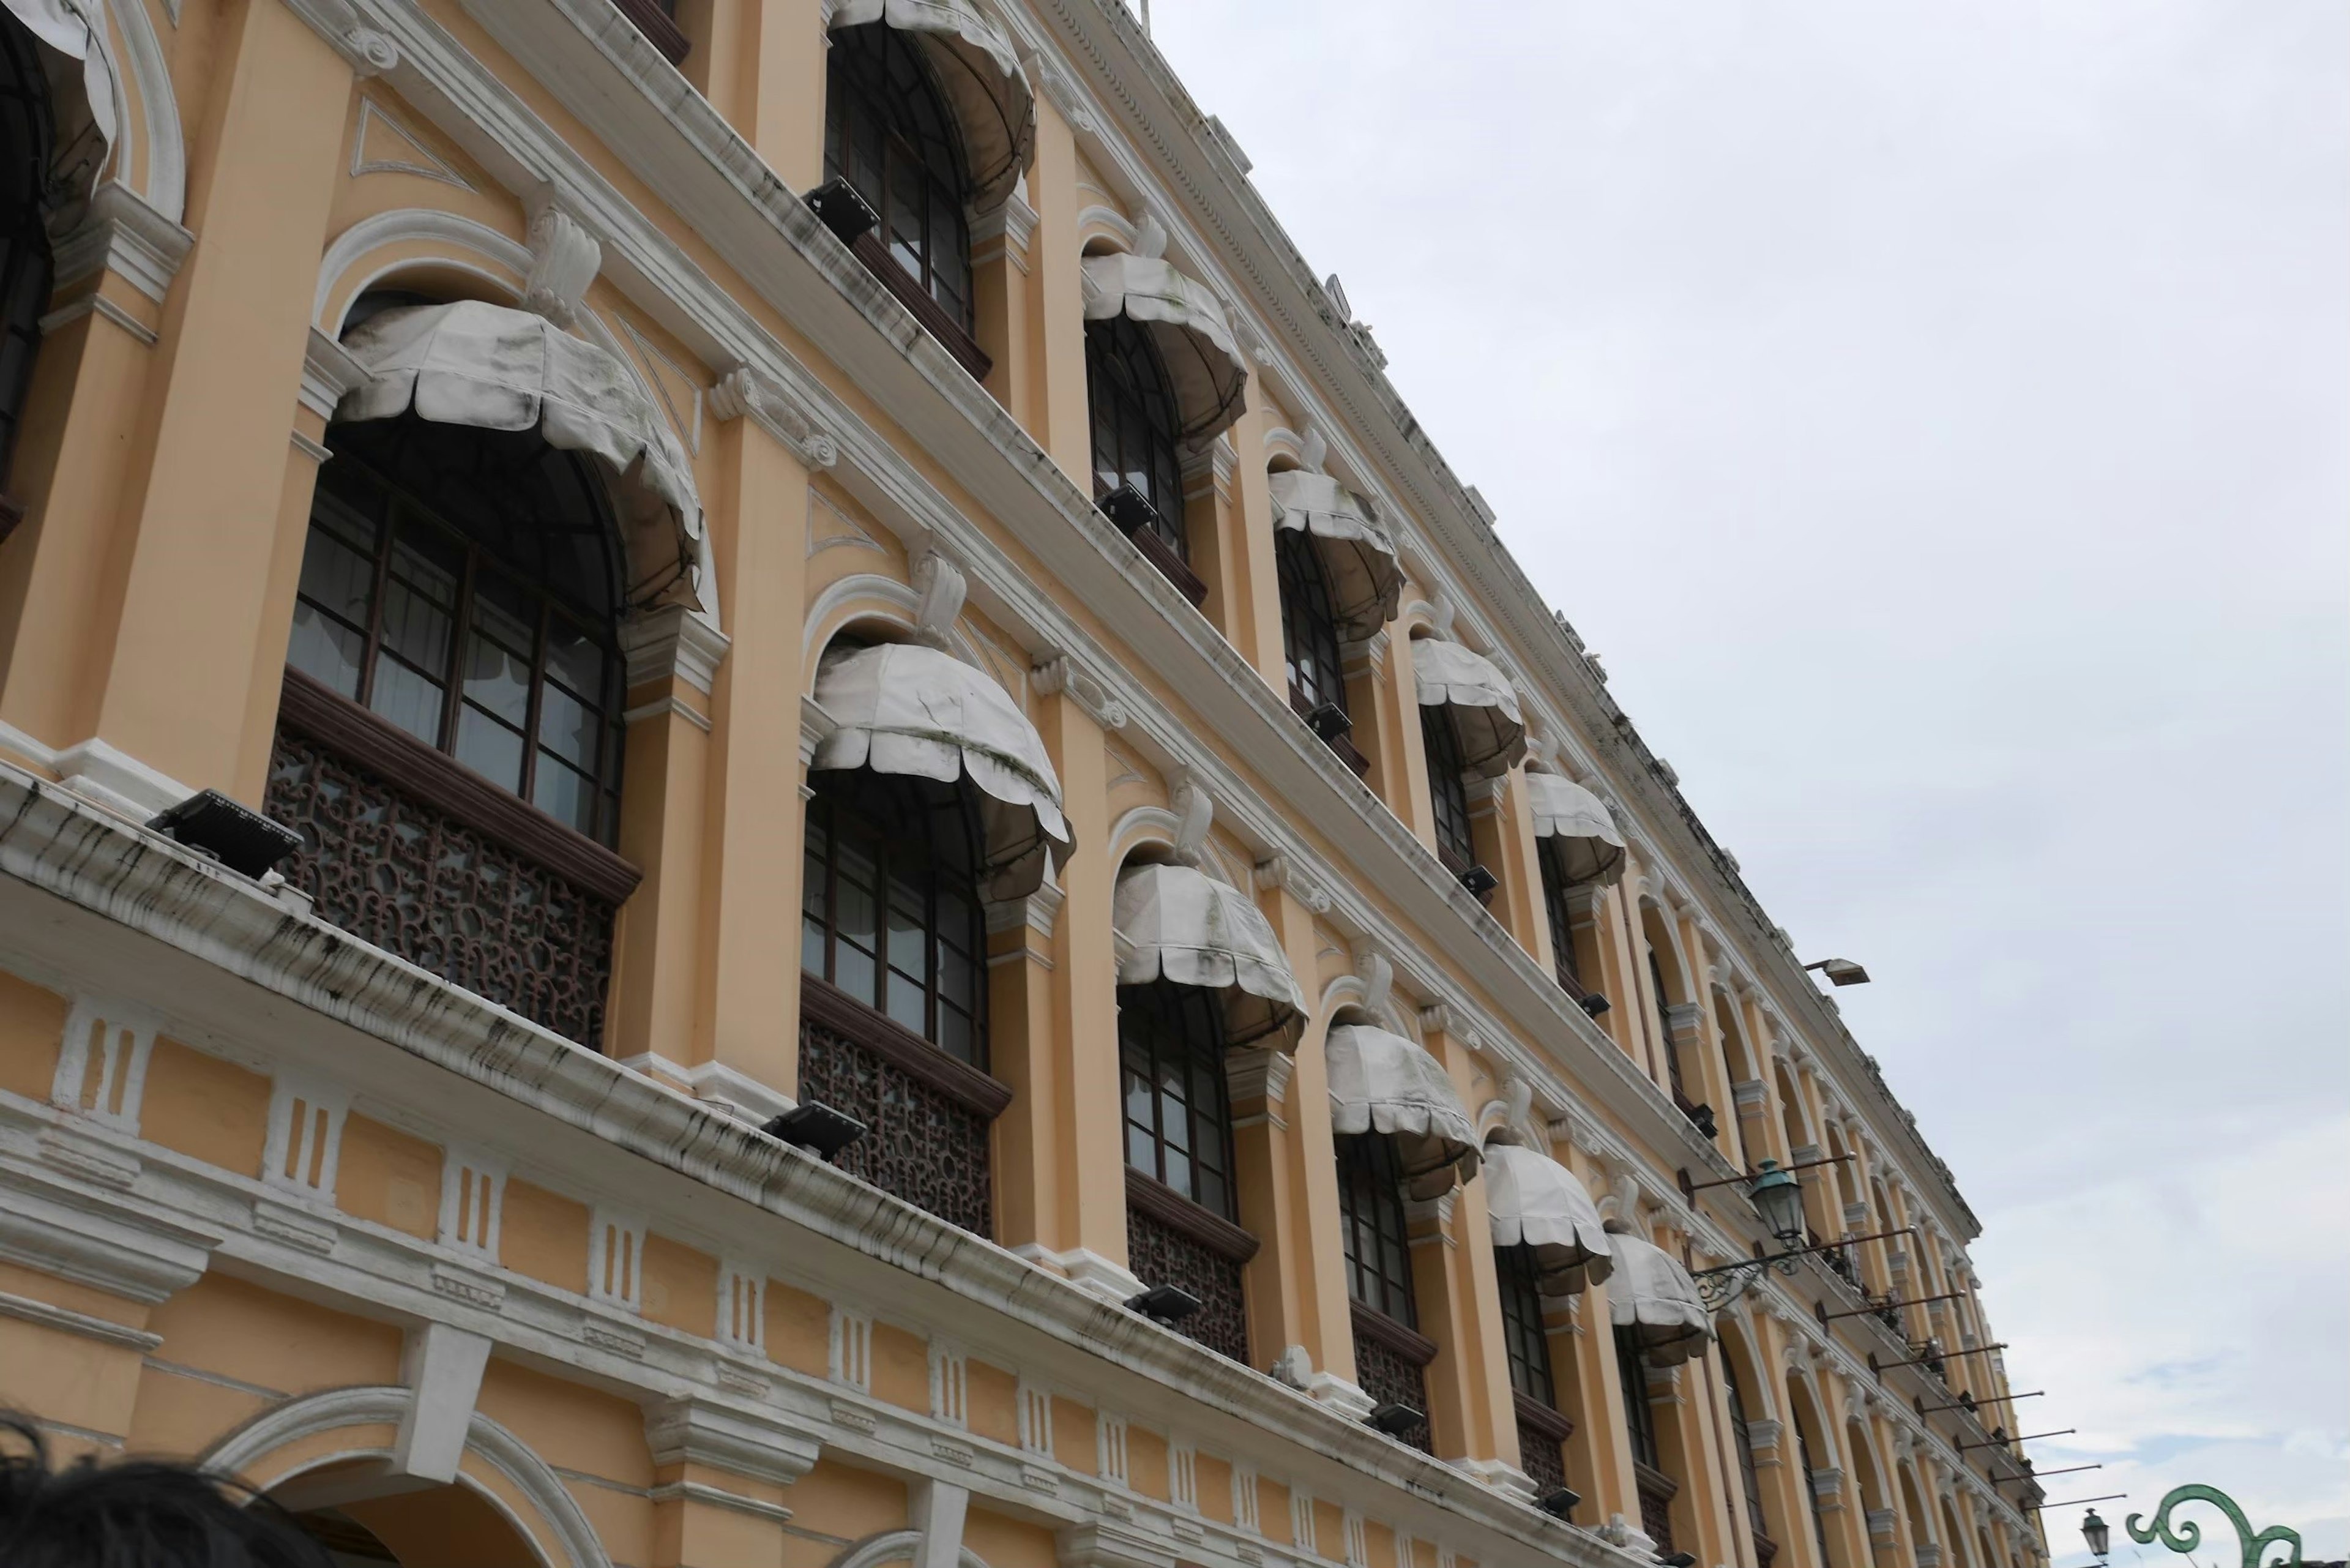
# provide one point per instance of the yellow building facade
(935, 896)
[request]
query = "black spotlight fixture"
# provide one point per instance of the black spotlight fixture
(838, 207)
(1394, 1419)
(1480, 882)
(1678, 1560)
(1592, 1003)
(1559, 1502)
(1328, 722)
(1129, 509)
(817, 1127)
(1167, 1304)
(237, 837)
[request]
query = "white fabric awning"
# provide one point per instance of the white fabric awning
(906, 710)
(1381, 1081)
(1589, 849)
(81, 90)
(1484, 708)
(1186, 321)
(1184, 926)
(1365, 578)
(1532, 1200)
(1652, 1294)
(979, 73)
(502, 369)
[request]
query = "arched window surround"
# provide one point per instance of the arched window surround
(889, 133)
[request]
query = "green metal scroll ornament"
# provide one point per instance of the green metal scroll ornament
(2186, 1535)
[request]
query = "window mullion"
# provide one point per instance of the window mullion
(387, 517)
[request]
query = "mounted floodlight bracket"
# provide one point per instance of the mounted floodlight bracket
(1164, 1304)
(235, 835)
(1394, 1419)
(840, 207)
(816, 1127)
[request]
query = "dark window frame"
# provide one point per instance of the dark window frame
(367, 512)
(1134, 423)
(1448, 790)
(940, 872)
(1749, 1477)
(1640, 1415)
(1665, 1027)
(1164, 1028)
(882, 101)
(1554, 887)
(1309, 626)
(1524, 1341)
(1374, 1227)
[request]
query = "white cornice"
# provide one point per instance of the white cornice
(81, 891)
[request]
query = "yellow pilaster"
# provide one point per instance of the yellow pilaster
(198, 555)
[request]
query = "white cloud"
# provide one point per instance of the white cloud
(1940, 418)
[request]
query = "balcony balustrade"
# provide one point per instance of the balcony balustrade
(1172, 1241)
(409, 851)
(926, 1114)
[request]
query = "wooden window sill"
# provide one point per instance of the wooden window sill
(910, 293)
(660, 29)
(1409, 1343)
(1147, 1194)
(448, 786)
(832, 1008)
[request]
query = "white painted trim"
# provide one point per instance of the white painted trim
(282, 1425)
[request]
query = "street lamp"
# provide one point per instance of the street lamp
(1779, 1198)
(1841, 971)
(2097, 1533)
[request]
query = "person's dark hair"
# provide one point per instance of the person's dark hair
(134, 1513)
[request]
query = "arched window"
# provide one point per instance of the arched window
(1561, 918)
(1656, 1487)
(1309, 626)
(1182, 1204)
(889, 908)
(465, 586)
(1390, 1355)
(1378, 1245)
(1665, 1028)
(1541, 1428)
(1448, 792)
(1811, 1493)
(1179, 1124)
(1134, 422)
(1765, 1547)
(888, 133)
(25, 134)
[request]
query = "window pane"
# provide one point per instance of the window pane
(908, 939)
(852, 971)
(574, 659)
(565, 726)
(956, 1036)
(488, 748)
(1141, 1150)
(812, 945)
(325, 649)
(498, 680)
(563, 794)
(907, 1003)
(417, 600)
(407, 698)
(336, 577)
(1179, 1171)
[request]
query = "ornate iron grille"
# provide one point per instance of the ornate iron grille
(1539, 1456)
(1162, 1255)
(1390, 1364)
(921, 1143)
(406, 877)
(1392, 1378)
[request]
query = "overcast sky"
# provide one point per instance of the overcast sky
(1936, 417)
